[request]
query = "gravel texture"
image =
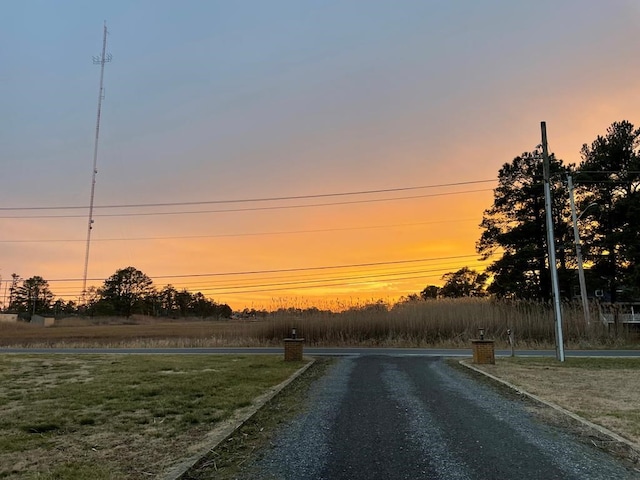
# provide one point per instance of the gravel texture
(416, 417)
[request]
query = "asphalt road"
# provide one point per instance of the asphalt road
(314, 351)
(384, 417)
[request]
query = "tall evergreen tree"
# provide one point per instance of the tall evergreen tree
(515, 228)
(464, 283)
(609, 175)
(13, 288)
(33, 296)
(126, 291)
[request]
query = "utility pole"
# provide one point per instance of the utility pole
(7, 303)
(99, 60)
(551, 245)
(576, 236)
(35, 296)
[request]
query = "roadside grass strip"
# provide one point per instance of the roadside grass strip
(120, 417)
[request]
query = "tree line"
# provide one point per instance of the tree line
(127, 292)
(513, 229)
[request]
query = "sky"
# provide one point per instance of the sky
(251, 130)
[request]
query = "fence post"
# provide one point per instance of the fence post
(512, 342)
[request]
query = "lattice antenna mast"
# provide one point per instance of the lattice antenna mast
(99, 60)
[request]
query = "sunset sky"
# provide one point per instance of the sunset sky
(262, 123)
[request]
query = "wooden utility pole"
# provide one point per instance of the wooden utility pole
(576, 236)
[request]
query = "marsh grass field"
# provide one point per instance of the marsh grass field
(438, 323)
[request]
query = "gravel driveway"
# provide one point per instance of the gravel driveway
(383, 417)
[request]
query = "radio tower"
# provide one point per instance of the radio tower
(99, 60)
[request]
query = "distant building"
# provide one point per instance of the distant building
(626, 314)
(8, 317)
(42, 321)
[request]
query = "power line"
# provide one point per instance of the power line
(251, 200)
(319, 283)
(255, 234)
(357, 278)
(299, 278)
(282, 270)
(313, 276)
(371, 277)
(337, 283)
(633, 172)
(252, 209)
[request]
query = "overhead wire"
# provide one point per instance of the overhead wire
(250, 209)
(251, 200)
(173, 204)
(220, 292)
(285, 287)
(313, 282)
(281, 270)
(252, 234)
(291, 197)
(309, 284)
(633, 172)
(338, 284)
(315, 276)
(299, 278)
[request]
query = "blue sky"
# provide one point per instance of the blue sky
(209, 100)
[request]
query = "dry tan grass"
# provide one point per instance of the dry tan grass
(442, 323)
(446, 323)
(604, 391)
(185, 333)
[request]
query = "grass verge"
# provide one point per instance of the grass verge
(605, 391)
(227, 460)
(119, 417)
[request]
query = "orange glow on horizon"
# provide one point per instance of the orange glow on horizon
(430, 227)
(381, 232)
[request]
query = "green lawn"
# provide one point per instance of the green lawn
(117, 417)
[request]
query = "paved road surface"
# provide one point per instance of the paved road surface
(314, 351)
(386, 417)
